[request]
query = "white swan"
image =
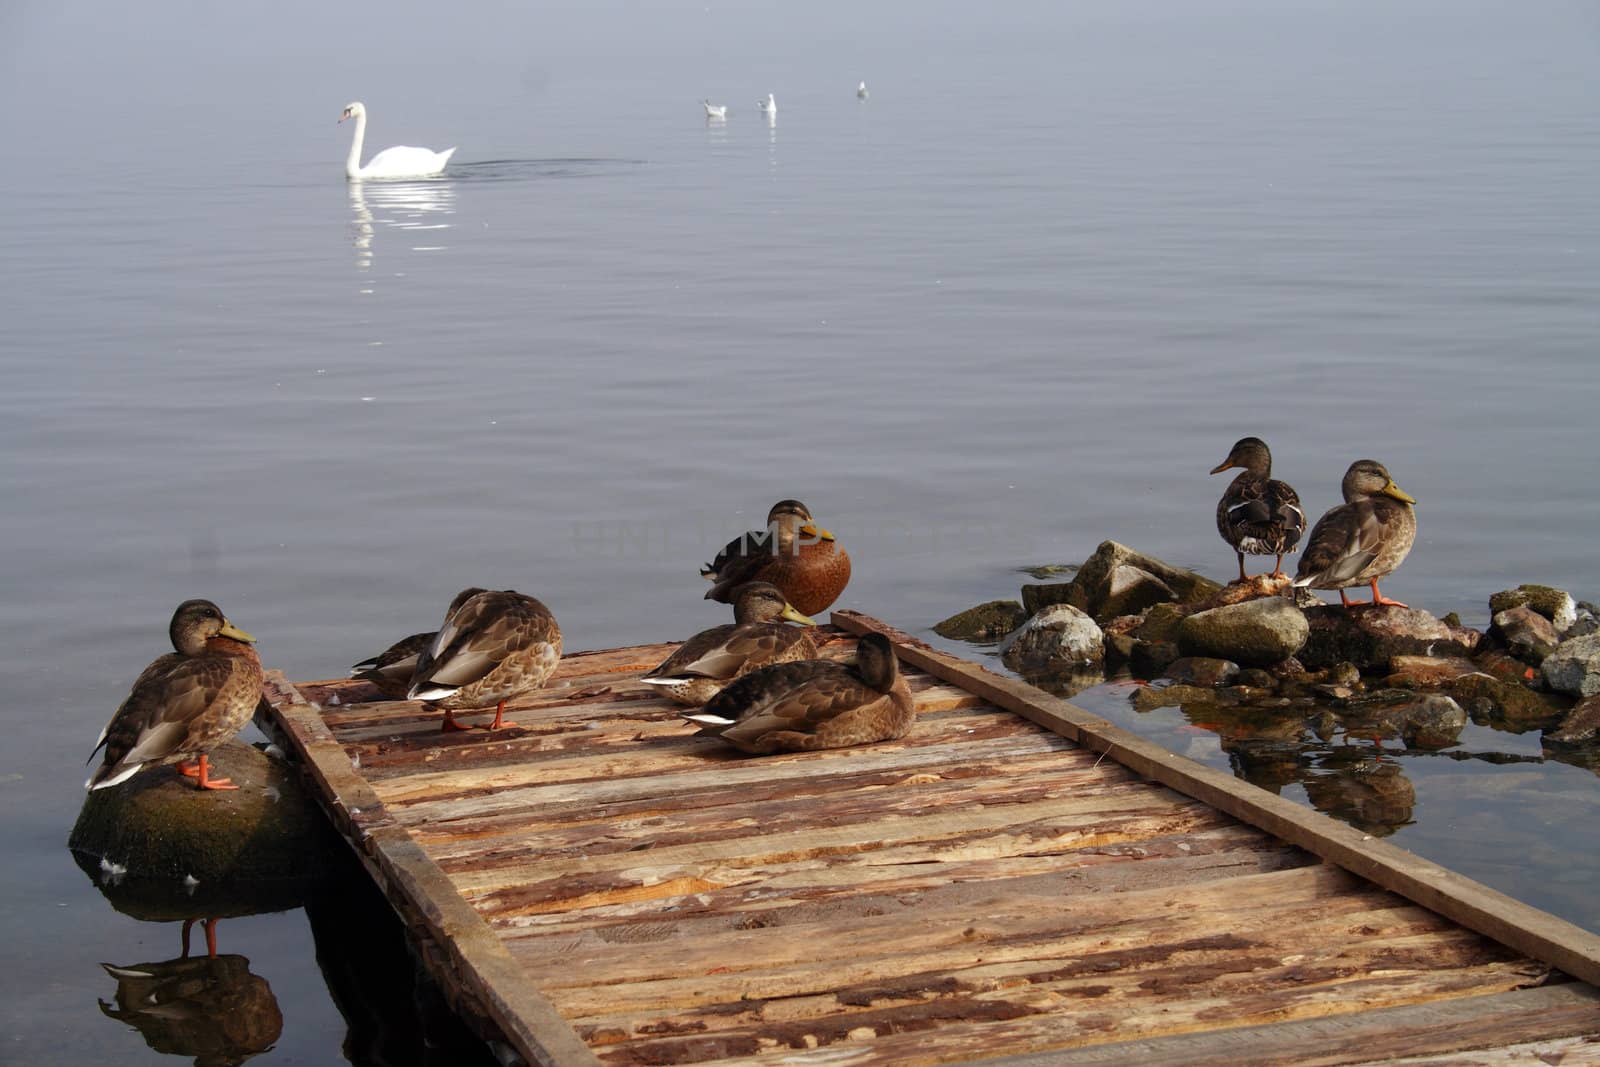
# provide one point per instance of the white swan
(861, 90)
(715, 111)
(401, 161)
(769, 106)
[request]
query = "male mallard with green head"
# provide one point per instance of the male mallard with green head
(1257, 513)
(391, 669)
(492, 648)
(184, 703)
(1363, 539)
(792, 553)
(712, 658)
(812, 704)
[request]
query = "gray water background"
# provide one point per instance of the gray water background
(1017, 302)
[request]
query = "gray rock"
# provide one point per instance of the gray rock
(1370, 637)
(1554, 604)
(1257, 632)
(1117, 580)
(1530, 636)
(1580, 727)
(1574, 667)
(1202, 670)
(986, 622)
(1059, 638)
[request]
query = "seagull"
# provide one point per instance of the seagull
(715, 111)
(769, 105)
(861, 90)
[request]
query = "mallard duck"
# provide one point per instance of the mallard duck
(1257, 513)
(712, 658)
(792, 553)
(812, 704)
(1363, 539)
(491, 648)
(185, 702)
(391, 669)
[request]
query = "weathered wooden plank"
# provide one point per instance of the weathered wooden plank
(1499, 1028)
(673, 820)
(798, 894)
(602, 780)
(480, 963)
(1062, 823)
(1474, 905)
(1162, 980)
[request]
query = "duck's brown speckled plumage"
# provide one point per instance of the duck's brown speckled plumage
(185, 702)
(391, 669)
(1363, 539)
(1258, 514)
(709, 660)
(792, 553)
(492, 648)
(814, 704)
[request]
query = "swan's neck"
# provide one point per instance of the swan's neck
(352, 166)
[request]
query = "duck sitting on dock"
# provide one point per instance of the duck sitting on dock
(391, 669)
(793, 553)
(186, 702)
(813, 704)
(1363, 539)
(1257, 513)
(491, 648)
(709, 660)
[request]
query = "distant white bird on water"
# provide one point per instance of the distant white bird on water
(769, 106)
(715, 111)
(401, 161)
(861, 90)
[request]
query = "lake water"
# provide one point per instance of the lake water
(1017, 302)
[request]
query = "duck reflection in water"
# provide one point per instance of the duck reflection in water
(209, 1007)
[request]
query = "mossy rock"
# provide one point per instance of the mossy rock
(1554, 604)
(986, 622)
(160, 828)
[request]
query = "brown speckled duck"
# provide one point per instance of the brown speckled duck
(492, 648)
(1363, 539)
(391, 669)
(813, 704)
(792, 553)
(709, 660)
(1257, 513)
(184, 703)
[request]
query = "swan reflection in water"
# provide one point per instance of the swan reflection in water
(421, 208)
(207, 1007)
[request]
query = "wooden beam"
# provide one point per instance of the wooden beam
(477, 958)
(1477, 907)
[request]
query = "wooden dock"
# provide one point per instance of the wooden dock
(1015, 881)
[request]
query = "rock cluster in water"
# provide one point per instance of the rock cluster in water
(1259, 646)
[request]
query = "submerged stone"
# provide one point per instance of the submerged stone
(1580, 727)
(986, 622)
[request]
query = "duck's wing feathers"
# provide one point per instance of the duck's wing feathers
(403, 650)
(156, 719)
(1343, 544)
(786, 696)
(481, 633)
(723, 651)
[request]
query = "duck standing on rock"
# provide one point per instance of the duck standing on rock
(1257, 513)
(186, 702)
(709, 660)
(391, 669)
(792, 553)
(813, 704)
(492, 647)
(1363, 539)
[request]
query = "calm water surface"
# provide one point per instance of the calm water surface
(1018, 302)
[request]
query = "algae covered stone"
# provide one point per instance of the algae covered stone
(986, 622)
